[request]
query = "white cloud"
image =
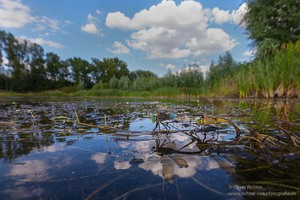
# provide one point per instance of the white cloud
(215, 40)
(168, 30)
(237, 15)
(221, 16)
(170, 66)
(42, 41)
(44, 23)
(119, 48)
(14, 14)
(117, 20)
(91, 26)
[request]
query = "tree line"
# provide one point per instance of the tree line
(24, 66)
(272, 25)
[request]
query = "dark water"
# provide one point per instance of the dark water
(46, 154)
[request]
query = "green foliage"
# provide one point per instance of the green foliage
(100, 86)
(81, 70)
(141, 74)
(278, 75)
(146, 84)
(68, 89)
(192, 79)
(221, 72)
(102, 93)
(274, 72)
(271, 24)
(169, 80)
(109, 67)
(52, 93)
(167, 91)
(79, 86)
(124, 83)
(114, 83)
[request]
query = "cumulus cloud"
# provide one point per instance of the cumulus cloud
(221, 16)
(168, 30)
(91, 26)
(119, 48)
(235, 16)
(14, 14)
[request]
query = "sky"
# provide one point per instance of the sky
(154, 35)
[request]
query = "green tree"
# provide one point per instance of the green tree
(81, 71)
(271, 24)
(141, 74)
(192, 78)
(17, 60)
(124, 83)
(37, 78)
(221, 71)
(107, 68)
(170, 79)
(114, 83)
(57, 71)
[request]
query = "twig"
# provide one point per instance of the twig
(102, 187)
(208, 188)
(138, 189)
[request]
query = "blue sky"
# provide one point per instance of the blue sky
(151, 35)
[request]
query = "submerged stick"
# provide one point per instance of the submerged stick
(102, 187)
(208, 188)
(138, 189)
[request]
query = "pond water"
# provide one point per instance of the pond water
(107, 149)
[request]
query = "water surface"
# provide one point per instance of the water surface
(113, 153)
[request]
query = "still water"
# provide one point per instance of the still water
(107, 149)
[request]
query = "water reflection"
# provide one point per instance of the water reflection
(169, 155)
(99, 158)
(29, 170)
(43, 158)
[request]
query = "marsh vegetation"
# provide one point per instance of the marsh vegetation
(106, 148)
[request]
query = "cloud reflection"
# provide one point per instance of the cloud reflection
(122, 165)
(24, 193)
(170, 156)
(30, 170)
(99, 158)
(52, 148)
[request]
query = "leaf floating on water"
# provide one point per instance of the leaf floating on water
(88, 138)
(225, 165)
(136, 160)
(179, 161)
